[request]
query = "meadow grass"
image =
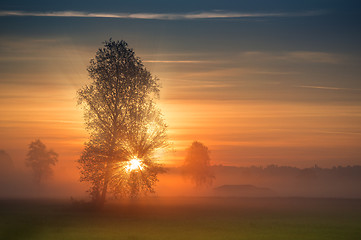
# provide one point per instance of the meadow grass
(184, 218)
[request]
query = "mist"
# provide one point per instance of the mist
(17, 181)
(228, 181)
(270, 181)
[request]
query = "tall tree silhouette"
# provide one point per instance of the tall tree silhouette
(197, 165)
(40, 160)
(126, 128)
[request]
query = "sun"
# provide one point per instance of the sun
(134, 164)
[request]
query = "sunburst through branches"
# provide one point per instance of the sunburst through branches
(126, 127)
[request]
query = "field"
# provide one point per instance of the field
(184, 218)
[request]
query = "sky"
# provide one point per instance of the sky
(258, 82)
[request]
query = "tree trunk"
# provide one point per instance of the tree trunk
(109, 164)
(107, 175)
(105, 184)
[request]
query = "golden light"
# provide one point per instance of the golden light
(135, 164)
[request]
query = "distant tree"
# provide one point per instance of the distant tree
(6, 163)
(197, 165)
(126, 128)
(40, 160)
(6, 167)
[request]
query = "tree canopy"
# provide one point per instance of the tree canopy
(197, 165)
(40, 160)
(124, 124)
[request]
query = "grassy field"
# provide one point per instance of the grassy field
(184, 218)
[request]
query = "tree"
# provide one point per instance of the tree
(124, 123)
(6, 167)
(6, 163)
(197, 165)
(40, 160)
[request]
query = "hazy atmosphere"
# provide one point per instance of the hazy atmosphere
(258, 83)
(231, 99)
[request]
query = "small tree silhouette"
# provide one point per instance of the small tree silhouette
(197, 165)
(40, 159)
(6, 163)
(6, 167)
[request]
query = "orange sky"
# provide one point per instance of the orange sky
(238, 132)
(255, 102)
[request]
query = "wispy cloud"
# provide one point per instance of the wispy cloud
(161, 16)
(297, 56)
(317, 57)
(174, 61)
(329, 88)
(343, 133)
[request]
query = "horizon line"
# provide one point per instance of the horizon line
(276, 165)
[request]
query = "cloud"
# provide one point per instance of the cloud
(342, 133)
(296, 56)
(173, 61)
(160, 16)
(329, 88)
(318, 57)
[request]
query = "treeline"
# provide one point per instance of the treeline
(286, 181)
(275, 170)
(339, 181)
